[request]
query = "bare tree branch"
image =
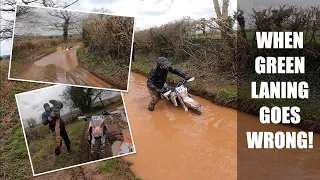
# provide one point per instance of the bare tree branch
(8, 7)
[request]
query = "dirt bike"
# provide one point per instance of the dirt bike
(97, 131)
(180, 95)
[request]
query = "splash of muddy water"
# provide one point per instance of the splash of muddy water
(174, 144)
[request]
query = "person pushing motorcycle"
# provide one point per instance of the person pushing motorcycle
(51, 116)
(158, 77)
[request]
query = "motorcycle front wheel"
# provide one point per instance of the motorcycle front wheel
(96, 151)
(197, 111)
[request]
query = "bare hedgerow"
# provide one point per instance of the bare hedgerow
(189, 40)
(283, 18)
(109, 37)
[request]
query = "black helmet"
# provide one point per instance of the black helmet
(45, 105)
(162, 61)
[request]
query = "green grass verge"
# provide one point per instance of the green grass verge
(117, 168)
(42, 151)
(14, 160)
(113, 72)
(108, 166)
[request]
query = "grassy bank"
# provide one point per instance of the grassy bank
(111, 71)
(42, 150)
(14, 160)
(117, 169)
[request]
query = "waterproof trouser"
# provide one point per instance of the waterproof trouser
(155, 97)
(63, 134)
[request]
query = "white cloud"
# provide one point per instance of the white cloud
(148, 13)
(31, 103)
(5, 47)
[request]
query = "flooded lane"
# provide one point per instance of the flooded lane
(284, 164)
(70, 72)
(174, 144)
(66, 59)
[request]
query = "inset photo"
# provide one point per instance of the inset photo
(59, 46)
(67, 126)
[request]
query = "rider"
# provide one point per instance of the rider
(158, 76)
(48, 119)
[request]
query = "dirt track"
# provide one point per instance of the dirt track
(62, 67)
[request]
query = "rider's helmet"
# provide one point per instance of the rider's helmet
(162, 61)
(45, 105)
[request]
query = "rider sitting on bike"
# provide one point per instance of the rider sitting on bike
(158, 77)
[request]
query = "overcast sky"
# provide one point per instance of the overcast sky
(43, 23)
(31, 103)
(148, 13)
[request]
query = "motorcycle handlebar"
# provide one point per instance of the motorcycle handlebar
(185, 81)
(103, 113)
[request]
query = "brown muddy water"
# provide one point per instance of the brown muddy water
(66, 59)
(174, 144)
(70, 72)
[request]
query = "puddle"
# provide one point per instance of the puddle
(66, 59)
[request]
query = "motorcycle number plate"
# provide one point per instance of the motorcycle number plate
(179, 90)
(97, 120)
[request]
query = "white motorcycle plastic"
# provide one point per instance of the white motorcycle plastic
(97, 131)
(180, 95)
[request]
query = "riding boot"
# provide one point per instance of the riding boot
(57, 151)
(151, 107)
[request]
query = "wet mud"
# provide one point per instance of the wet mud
(62, 66)
(174, 144)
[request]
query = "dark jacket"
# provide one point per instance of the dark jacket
(52, 124)
(158, 77)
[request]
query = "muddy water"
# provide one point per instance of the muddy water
(71, 72)
(285, 164)
(174, 144)
(66, 59)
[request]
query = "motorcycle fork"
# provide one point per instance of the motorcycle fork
(182, 103)
(173, 99)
